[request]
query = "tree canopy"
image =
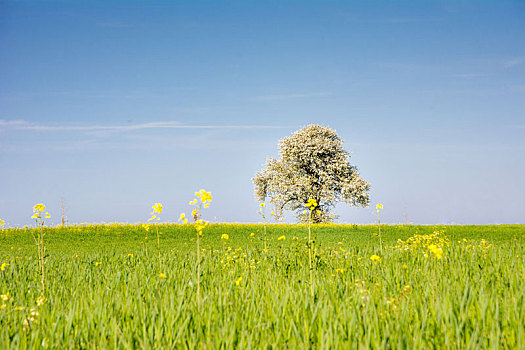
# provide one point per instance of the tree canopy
(313, 165)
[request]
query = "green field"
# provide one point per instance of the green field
(104, 289)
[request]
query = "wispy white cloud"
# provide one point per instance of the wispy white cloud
(32, 126)
(292, 96)
(17, 123)
(513, 62)
(71, 138)
(65, 138)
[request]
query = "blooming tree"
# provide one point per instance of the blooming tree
(313, 165)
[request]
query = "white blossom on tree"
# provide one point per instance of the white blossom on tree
(313, 165)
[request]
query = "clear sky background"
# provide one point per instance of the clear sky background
(114, 106)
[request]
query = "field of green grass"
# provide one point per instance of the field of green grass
(109, 286)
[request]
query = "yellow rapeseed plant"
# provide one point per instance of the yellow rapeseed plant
(182, 218)
(261, 212)
(438, 252)
(40, 301)
(38, 209)
(311, 204)
(434, 242)
(203, 200)
(5, 297)
(157, 209)
(379, 207)
(375, 258)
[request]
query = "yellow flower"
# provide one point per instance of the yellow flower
(19, 308)
(47, 216)
(262, 205)
(2, 223)
(39, 208)
(40, 300)
(204, 196)
(33, 314)
(281, 238)
(201, 225)
(3, 266)
(379, 206)
(145, 227)
(157, 208)
(311, 204)
(130, 255)
(252, 234)
(225, 236)
(238, 281)
(339, 270)
(182, 216)
(194, 212)
(375, 258)
(438, 252)
(5, 296)
(161, 275)
(153, 217)
(206, 205)
(98, 263)
(35, 216)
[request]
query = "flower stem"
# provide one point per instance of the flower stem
(158, 244)
(379, 228)
(198, 271)
(41, 253)
(310, 254)
(265, 244)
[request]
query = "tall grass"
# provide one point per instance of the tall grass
(471, 298)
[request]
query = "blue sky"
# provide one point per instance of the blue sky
(114, 106)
